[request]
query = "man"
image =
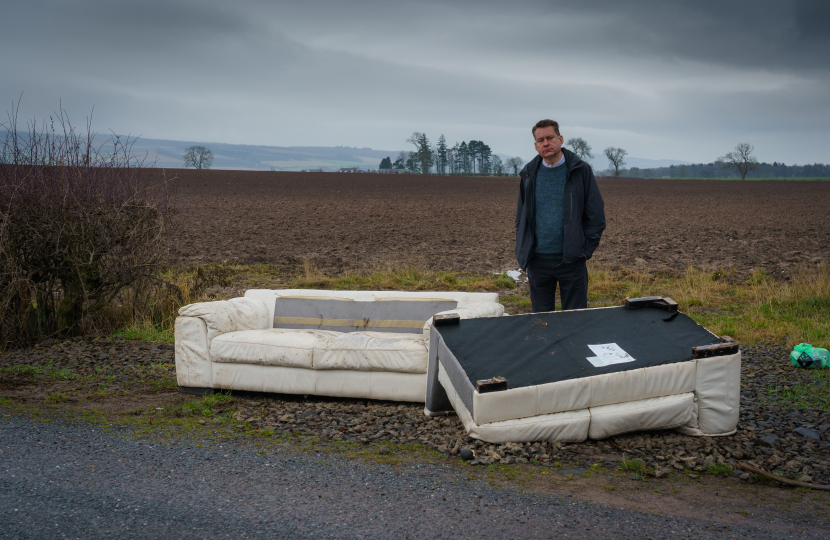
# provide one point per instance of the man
(560, 217)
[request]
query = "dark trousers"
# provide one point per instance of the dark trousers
(543, 276)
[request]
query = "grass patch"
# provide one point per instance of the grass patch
(758, 309)
(720, 469)
(813, 392)
(202, 407)
(145, 330)
(594, 469)
(633, 465)
(57, 397)
(165, 382)
(25, 369)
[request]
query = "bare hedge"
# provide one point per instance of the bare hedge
(80, 223)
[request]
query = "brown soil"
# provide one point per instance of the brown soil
(452, 223)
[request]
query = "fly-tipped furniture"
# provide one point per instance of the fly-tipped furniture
(362, 344)
(593, 373)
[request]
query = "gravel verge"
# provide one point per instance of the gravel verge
(773, 434)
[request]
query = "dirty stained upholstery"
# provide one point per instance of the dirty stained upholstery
(555, 393)
(364, 344)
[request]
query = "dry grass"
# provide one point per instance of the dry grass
(758, 309)
(395, 276)
(155, 322)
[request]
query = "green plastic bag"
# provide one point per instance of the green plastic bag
(806, 356)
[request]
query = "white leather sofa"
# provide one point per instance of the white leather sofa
(361, 344)
(698, 398)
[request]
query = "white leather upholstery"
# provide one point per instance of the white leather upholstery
(192, 353)
(504, 405)
(617, 387)
(231, 344)
(374, 351)
(595, 391)
(670, 379)
(718, 393)
(698, 397)
(372, 384)
(563, 396)
(654, 413)
(271, 347)
(323, 349)
(225, 316)
(571, 426)
(282, 380)
(340, 383)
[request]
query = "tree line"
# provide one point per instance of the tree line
(739, 163)
(473, 158)
(716, 169)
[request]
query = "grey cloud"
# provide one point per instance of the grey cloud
(651, 73)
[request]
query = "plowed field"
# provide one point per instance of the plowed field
(450, 223)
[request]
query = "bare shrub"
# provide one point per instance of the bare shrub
(80, 222)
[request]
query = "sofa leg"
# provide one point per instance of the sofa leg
(196, 391)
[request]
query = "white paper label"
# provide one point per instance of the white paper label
(608, 354)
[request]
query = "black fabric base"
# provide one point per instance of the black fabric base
(543, 348)
(437, 400)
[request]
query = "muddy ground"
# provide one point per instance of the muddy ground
(451, 223)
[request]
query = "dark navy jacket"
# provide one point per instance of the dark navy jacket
(584, 212)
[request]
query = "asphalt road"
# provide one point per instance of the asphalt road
(68, 480)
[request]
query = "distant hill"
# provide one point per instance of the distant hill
(250, 157)
(167, 153)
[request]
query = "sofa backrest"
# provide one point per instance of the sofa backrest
(269, 296)
(399, 315)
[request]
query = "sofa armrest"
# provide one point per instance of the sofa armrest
(470, 311)
(224, 316)
(193, 366)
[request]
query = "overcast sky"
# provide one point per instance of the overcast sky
(662, 79)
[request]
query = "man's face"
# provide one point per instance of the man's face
(548, 143)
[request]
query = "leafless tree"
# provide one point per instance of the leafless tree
(616, 156)
(514, 163)
(198, 157)
(580, 147)
(741, 159)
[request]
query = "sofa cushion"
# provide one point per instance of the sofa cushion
(374, 351)
(270, 347)
(395, 315)
(323, 350)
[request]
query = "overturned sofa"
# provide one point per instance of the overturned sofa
(572, 375)
(360, 344)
